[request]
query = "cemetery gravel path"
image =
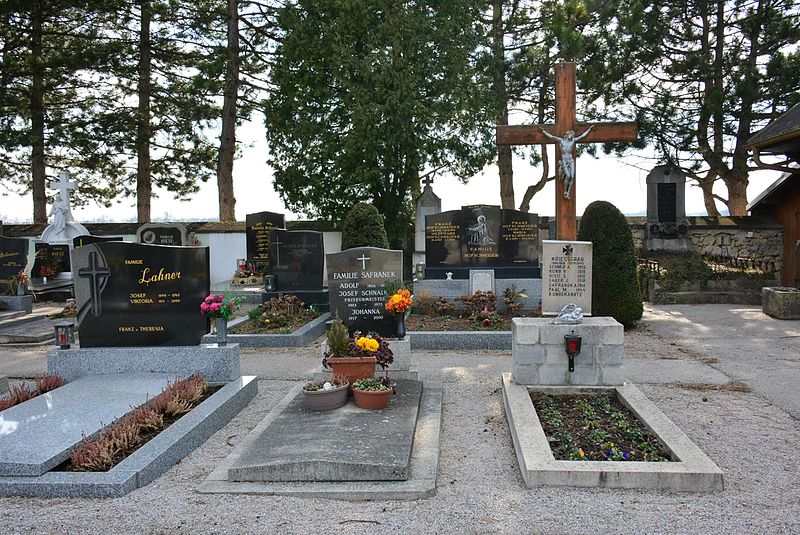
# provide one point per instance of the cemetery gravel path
(480, 490)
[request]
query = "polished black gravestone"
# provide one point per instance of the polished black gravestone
(257, 227)
(131, 294)
(80, 241)
(13, 259)
(52, 256)
(162, 234)
(357, 280)
(482, 237)
(298, 258)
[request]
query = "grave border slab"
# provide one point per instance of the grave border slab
(692, 472)
(423, 471)
(148, 462)
(444, 340)
(299, 338)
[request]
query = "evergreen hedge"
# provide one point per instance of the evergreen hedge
(615, 286)
(363, 227)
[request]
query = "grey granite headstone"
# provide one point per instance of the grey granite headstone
(566, 275)
(162, 234)
(357, 280)
(667, 226)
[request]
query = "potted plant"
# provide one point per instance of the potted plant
(373, 393)
(398, 304)
(221, 309)
(355, 358)
(326, 395)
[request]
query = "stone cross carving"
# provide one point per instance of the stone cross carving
(96, 275)
(277, 242)
(566, 227)
(363, 260)
(428, 180)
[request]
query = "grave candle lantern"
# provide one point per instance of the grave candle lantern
(269, 283)
(572, 343)
(65, 334)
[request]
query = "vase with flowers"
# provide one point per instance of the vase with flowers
(399, 304)
(221, 309)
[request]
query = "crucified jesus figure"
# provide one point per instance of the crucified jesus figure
(566, 167)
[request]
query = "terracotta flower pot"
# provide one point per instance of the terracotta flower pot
(372, 400)
(326, 400)
(353, 368)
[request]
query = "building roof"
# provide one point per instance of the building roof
(784, 181)
(781, 136)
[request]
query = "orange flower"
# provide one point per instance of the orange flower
(399, 302)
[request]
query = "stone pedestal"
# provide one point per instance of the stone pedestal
(781, 302)
(18, 302)
(540, 357)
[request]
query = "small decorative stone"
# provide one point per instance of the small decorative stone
(571, 314)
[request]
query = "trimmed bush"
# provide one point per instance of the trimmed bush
(615, 287)
(363, 227)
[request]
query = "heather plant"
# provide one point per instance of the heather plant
(48, 382)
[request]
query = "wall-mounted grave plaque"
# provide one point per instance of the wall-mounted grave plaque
(566, 275)
(13, 259)
(257, 227)
(131, 294)
(162, 234)
(357, 280)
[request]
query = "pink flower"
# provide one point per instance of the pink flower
(203, 307)
(486, 321)
(209, 299)
(215, 307)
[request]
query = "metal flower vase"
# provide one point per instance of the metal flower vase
(401, 326)
(222, 331)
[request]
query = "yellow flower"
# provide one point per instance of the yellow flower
(581, 452)
(367, 344)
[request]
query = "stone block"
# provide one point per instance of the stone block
(781, 302)
(481, 280)
(528, 354)
(584, 375)
(402, 354)
(553, 374)
(23, 303)
(609, 355)
(612, 375)
(218, 364)
(526, 375)
(593, 330)
(525, 330)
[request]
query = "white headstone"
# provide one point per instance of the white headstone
(428, 203)
(566, 275)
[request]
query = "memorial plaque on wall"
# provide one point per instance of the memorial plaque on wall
(80, 241)
(162, 234)
(566, 275)
(54, 256)
(257, 227)
(132, 294)
(297, 259)
(13, 259)
(443, 239)
(357, 280)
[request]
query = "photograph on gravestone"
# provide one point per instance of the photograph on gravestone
(132, 294)
(80, 241)
(566, 275)
(357, 280)
(162, 234)
(257, 227)
(51, 261)
(13, 259)
(297, 259)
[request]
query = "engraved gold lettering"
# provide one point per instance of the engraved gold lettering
(147, 278)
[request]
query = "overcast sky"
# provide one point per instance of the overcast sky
(608, 178)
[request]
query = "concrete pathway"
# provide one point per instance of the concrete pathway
(740, 341)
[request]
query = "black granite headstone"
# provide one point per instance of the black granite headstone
(53, 256)
(443, 239)
(668, 202)
(162, 234)
(357, 280)
(13, 259)
(80, 241)
(131, 294)
(520, 239)
(257, 227)
(297, 259)
(480, 236)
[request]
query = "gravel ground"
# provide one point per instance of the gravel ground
(479, 488)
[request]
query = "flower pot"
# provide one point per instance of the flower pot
(353, 368)
(401, 326)
(326, 400)
(372, 400)
(222, 331)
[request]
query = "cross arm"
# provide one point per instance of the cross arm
(531, 135)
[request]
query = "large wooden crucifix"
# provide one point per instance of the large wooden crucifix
(563, 134)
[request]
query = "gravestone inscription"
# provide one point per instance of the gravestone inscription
(357, 280)
(132, 294)
(566, 275)
(162, 234)
(13, 259)
(51, 260)
(257, 227)
(297, 259)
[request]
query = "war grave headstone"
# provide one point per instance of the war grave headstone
(162, 234)
(566, 275)
(257, 227)
(667, 226)
(357, 280)
(297, 260)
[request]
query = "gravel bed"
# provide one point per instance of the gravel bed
(479, 489)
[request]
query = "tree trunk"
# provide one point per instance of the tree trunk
(144, 186)
(737, 193)
(707, 186)
(525, 206)
(504, 154)
(38, 171)
(227, 146)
